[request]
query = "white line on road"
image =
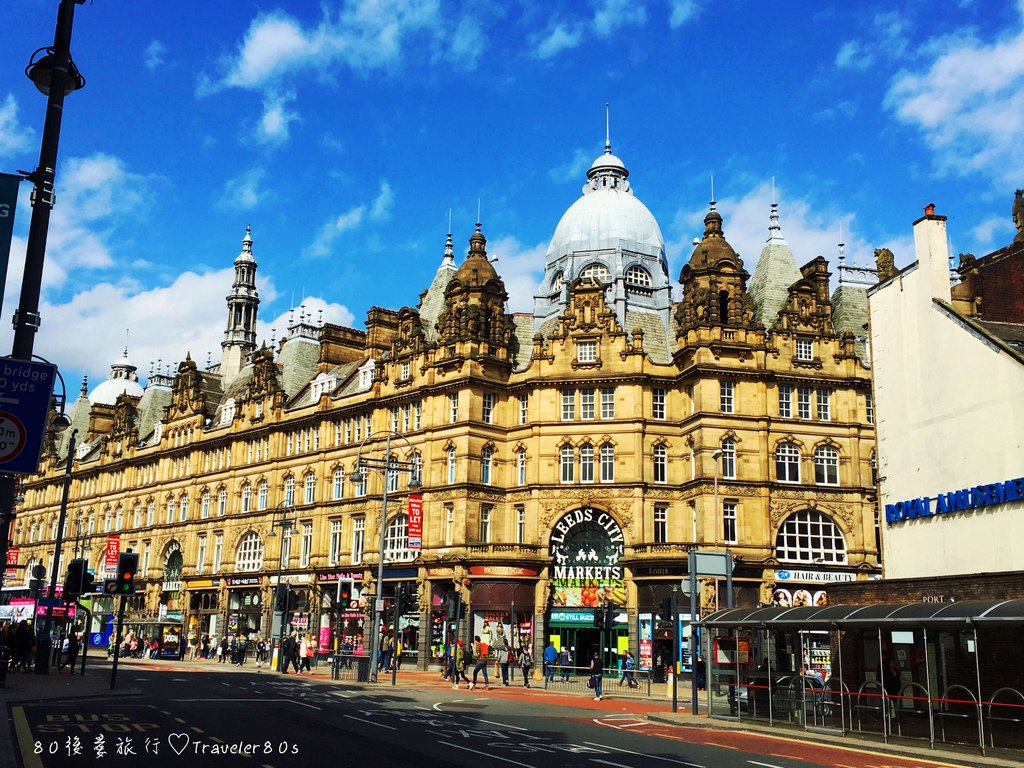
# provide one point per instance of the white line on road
(485, 754)
(650, 757)
(766, 765)
(503, 725)
(290, 701)
(371, 722)
(608, 762)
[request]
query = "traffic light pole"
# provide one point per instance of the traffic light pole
(117, 643)
(677, 668)
(394, 639)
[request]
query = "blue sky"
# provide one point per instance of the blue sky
(344, 131)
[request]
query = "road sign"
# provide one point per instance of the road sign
(51, 602)
(25, 392)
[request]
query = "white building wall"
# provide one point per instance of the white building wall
(949, 416)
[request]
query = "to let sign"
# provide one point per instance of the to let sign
(25, 392)
(113, 551)
(415, 521)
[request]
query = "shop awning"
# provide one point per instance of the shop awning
(982, 613)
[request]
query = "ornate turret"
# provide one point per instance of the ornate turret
(243, 303)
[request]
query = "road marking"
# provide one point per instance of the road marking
(723, 746)
(632, 724)
(371, 722)
(766, 765)
(485, 754)
(608, 762)
(642, 754)
(290, 701)
(24, 732)
(503, 725)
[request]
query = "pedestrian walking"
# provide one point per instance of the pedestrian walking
(222, 650)
(306, 655)
(565, 661)
(526, 664)
(550, 661)
(460, 658)
(504, 657)
(73, 646)
(596, 674)
(480, 651)
(629, 671)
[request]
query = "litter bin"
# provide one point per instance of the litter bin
(5, 664)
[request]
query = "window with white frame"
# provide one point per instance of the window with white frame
(416, 475)
(334, 543)
(450, 460)
(524, 408)
(201, 553)
(261, 495)
(366, 375)
(804, 349)
(246, 498)
(391, 475)
(486, 461)
(204, 505)
(286, 547)
(150, 515)
(787, 463)
(338, 483)
(488, 408)
(306, 549)
(359, 480)
(586, 463)
(222, 501)
(660, 523)
(289, 491)
(406, 417)
(824, 404)
(183, 516)
(486, 511)
(417, 415)
(587, 403)
(396, 541)
(607, 402)
(406, 371)
(727, 389)
(250, 553)
(809, 536)
(785, 401)
(658, 397)
(520, 524)
(171, 509)
(218, 551)
(119, 518)
(728, 458)
(393, 425)
(567, 462)
(449, 525)
(803, 402)
(869, 405)
(607, 463)
(521, 466)
(638, 276)
(729, 522)
(453, 407)
(596, 272)
(358, 538)
(660, 464)
(586, 351)
(826, 465)
(309, 489)
(137, 516)
(568, 404)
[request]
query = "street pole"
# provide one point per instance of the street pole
(283, 523)
(43, 642)
(26, 319)
(117, 642)
(394, 642)
(378, 603)
(677, 650)
(694, 641)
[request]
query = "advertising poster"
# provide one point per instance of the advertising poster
(415, 521)
(586, 544)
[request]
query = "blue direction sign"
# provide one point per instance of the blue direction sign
(25, 392)
(50, 602)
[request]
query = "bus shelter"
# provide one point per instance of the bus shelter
(948, 673)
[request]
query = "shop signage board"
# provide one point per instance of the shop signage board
(586, 544)
(961, 500)
(334, 576)
(12, 564)
(415, 521)
(500, 570)
(113, 551)
(25, 392)
(244, 581)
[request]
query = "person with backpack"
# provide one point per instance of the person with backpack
(480, 651)
(461, 656)
(526, 664)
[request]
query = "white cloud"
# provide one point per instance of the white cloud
(315, 308)
(14, 138)
(968, 102)
(380, 209)
(244, 192)
(985, 231)
(520, 267)
(466, 44)
(153, 56)
(561, 37)
(682, 11)
(274, 44)
(852, 55)
(575, 170)
(333, 229)
(610, 15)
(274, 124)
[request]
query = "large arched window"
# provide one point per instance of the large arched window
(826, 465)
(396, 540)
(637, 275)
(184, 508)
(250, 553)
(289, 491)
(339, 482)
(173, 566)
(787, 463)
(809, 536)
(596, 272)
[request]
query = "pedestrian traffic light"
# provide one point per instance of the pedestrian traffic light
(451, 605)
(127, 565)
(599, 617)
(88, 583)
(344, 594)
(665, 609)
(74, 579)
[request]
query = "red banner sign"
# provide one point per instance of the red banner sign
(11, 572)
(113, 550)
(415, 521)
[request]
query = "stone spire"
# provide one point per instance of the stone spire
(243, 302)
(776, 271)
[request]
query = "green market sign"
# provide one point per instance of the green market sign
(586, 545)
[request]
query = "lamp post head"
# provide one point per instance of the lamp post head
(716, 454)
(415, 484)
(60, 423)
(40, 72)
(357, 477)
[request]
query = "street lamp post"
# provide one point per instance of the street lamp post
(389, 466)
(715, 456)
(284, 521)
(56, 75)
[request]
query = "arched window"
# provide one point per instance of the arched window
(728, 458)
(809, 536)
(204, 505)
(246, 498)
(396, 540)
(339, 482)
(637, 275)
(596, 272)
(486, 462)
(183, 516)
(607, 463)
(222, 501)
(451, 465)
(787, 463)
(566, 464)
(660, 464)
(521, 466)
(309, 488)
(826, 465)
(723, 306)
(174, 566)
(392, 476)
(556, 281)
(250, 553)
(261, 495)
(289, 491)
(586, 463)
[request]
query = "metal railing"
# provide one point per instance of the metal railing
(613, 682)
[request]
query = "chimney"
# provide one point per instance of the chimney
(932, 251)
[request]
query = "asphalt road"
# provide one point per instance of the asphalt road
(209, 718)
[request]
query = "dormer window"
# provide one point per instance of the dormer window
(639, 276)
(322, 385)
(406, 371)
(804, 349)
(227, 411)
(586, 351)
(596, 272)
(366, 374)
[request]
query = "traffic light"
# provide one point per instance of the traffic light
(451, 605)
(665, 609)
(344, 594)
(285, 599)
(609, 617)
(127, 566)
(75, 578)
(88, 582)
(599, 617)
(506, 617)
(407, 602)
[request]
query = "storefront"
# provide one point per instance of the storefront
(340, 630)
(203, 609)
(245, 607)
(398, 580)
(502, 604)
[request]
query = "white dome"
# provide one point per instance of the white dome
(607, 218)
(108, 391)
